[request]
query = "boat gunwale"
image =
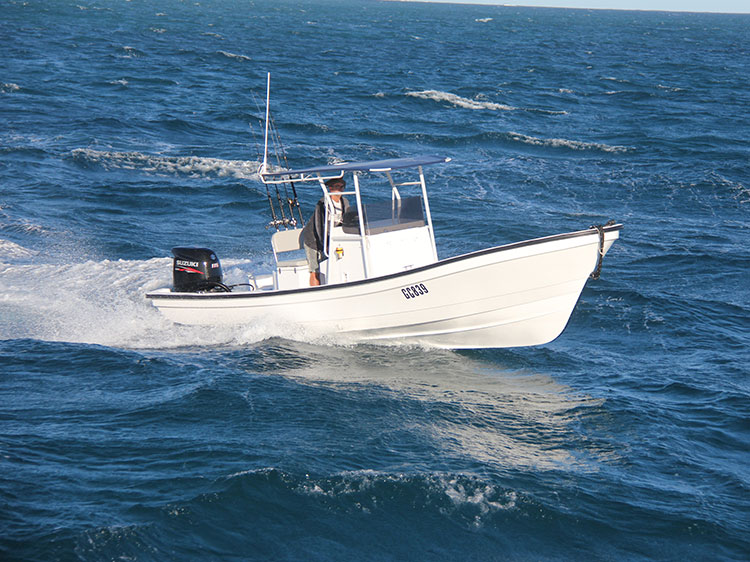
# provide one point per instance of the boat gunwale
(439, 263)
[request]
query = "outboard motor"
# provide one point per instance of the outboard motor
(196, 270)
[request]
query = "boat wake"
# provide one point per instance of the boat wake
(169, 165)
(102, 303)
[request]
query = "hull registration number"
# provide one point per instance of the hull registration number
(414, 291)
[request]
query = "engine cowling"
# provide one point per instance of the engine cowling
(196, 270)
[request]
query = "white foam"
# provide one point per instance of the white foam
(234, 56)
(669, 88)
(131, 52)
(9, 87)
(459, 101)
(190, 165)
(483, 20)
(483, 495)
(12, 251)
(565, 143)
(467, 103)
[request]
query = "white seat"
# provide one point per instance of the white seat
(285, 241)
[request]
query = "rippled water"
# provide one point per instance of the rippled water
(131, 127)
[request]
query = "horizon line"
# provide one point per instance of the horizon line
(506, 5)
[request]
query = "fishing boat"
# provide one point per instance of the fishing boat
(381, 279)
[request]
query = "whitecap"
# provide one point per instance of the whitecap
(458, 101)
(565, 143)
(190, 165)
(6, 88)
(670, 88)
(483, 20)
(234, 56)
(467, 103)
(131, 52)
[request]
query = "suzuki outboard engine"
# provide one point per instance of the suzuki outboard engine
(196, 270)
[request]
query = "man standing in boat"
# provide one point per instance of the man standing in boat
(314, 233)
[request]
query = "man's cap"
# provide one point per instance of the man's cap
(336, 182)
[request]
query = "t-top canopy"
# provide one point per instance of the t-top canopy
(371, 166)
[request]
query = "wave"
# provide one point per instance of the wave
(468, 498)
(9, 223)
(280, 514)
(172, 165)
(467, 103)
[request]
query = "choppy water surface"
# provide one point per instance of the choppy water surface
(131, 127)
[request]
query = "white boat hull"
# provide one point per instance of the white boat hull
(510, 296)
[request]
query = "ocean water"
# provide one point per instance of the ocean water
(129, 127)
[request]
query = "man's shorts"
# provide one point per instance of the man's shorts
(313, 259)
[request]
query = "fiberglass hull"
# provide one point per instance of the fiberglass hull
(516, 295)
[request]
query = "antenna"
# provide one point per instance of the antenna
(268, 104)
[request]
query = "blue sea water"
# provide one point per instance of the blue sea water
(129, 127)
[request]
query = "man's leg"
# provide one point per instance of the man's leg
(313, 265)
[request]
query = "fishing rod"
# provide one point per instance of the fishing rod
(276, 185)
(293, 203)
